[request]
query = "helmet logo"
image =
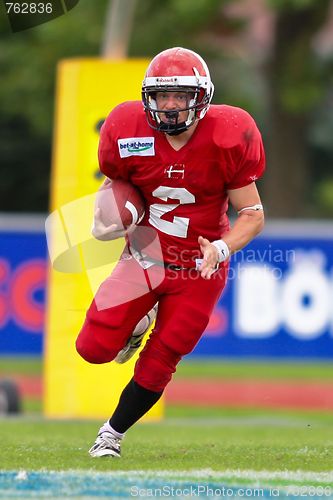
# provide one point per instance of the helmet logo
(171, 79)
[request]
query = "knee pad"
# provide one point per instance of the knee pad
(94, 353)
(155, 366)
(97, 344)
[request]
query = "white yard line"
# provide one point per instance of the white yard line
(203, 474)
(201, 483)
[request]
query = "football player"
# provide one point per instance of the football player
(189, 159)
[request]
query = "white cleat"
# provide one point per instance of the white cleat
(106, 445)
(136, 338)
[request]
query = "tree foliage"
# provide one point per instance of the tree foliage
(288, 93)
(28, 61)
(297, 81)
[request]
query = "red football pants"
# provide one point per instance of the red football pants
(186, 302)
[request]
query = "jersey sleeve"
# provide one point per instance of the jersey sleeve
(249, 164)
(110, 162)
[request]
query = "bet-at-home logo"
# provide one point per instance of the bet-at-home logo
(136, 146)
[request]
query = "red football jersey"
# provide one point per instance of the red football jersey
(186, 190)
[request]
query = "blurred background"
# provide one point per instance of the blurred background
(272, 57)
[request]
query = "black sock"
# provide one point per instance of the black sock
(134, 402)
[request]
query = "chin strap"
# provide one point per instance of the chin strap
(176, 128)
(178, 131)
(166, 127)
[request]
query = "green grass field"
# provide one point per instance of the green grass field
(229, 446)
(203, 439)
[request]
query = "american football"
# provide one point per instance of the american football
(120, 202)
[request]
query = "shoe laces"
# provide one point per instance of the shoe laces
(109, 440)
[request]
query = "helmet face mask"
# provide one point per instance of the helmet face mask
(169, 120)
(177, 70)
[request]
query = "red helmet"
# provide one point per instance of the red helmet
(177, 70)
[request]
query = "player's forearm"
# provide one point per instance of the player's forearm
(246, 227)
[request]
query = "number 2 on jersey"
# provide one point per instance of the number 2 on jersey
(179, 225)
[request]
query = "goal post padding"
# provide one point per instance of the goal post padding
(87, 89)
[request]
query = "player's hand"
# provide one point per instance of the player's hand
(112, 232)
(210, 258)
